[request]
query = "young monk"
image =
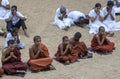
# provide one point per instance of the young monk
(100, 43)
(77, 46)
(11, 60)
(64, 53)
(39, 56)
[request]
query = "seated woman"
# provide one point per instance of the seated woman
(100, 43)
(11, 60)
(13, 35)
(39, 56)
(61, 18)
(64, 53)
(117, 7)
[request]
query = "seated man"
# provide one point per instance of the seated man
(61, 18)
(11, 60)
(4, 8)
(109, 17)
(14, 36)
(78, 18)
(77, 46)
(64, 53)
(100, 43)
(15, 19)
(39, 56)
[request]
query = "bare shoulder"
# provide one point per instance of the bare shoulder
(4, 50)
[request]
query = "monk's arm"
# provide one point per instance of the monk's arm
(12, 54)
(61, 49)
(4, 58)
(98, 40)
(32, 55)
(67, 48)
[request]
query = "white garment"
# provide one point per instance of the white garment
(3, 11)
(117, 9)
(111, 24)
(94, 26)
(74, 15)
(10, 37)
(62, 23)
(14, 19)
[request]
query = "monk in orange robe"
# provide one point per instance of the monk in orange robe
(100, 43)
(64, 53)
(11, 60)
(78, 47)
(39, 56)
(1, 71)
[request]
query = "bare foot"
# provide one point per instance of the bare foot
(67, 62)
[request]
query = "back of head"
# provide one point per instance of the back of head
(81, 20)
(110, 3)
(14, 6)
(36, 38)
(97, 5)
(101, 27)
(77, 35)
(10, 42)
(62, 9)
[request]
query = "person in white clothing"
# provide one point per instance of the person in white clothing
(61, 19)
(109, 17)
(78, 18)
(96, 18)
(117, 6)
(14, 36)
(15, 19)
(4, 8)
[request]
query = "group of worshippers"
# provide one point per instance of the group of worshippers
(97, 17)
(67, 52)
(12, 17)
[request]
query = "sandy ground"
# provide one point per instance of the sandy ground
(40, 14)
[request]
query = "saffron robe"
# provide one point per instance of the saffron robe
(42, 61)
(12, 65)
(1, 71)
(79, 48)
(107, 45)
(69, 56)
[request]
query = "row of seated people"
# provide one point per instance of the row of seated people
(68, 52)
(96, 18)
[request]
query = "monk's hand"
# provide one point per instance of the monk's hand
(12, 55)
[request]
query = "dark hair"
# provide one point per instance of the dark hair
(101, 27)
(10, 42)
(77, 35)
(36, 38)
(14, 30)
(64, 37)
(110, 3)
(14, 6)
(97, 5)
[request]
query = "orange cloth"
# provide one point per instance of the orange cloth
(42, 61)
(70, 56)
(107, 45)
(80, 48)
(1, 71)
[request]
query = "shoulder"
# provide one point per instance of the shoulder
(4, 50)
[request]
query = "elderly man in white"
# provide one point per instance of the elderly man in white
(61, 18)
(4, 8)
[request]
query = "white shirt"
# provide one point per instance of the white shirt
(3, 11)
(74, 15)
(14, 19)
(9, 37)
(92, 13)
(104, 10)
